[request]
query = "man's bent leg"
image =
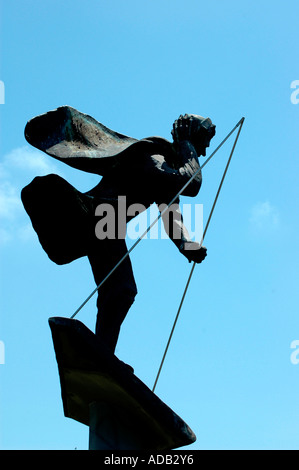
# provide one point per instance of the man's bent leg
(117, 294)
(111, 315)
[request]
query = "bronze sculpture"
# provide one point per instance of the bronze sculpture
(144, 171)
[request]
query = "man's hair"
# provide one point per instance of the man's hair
(195, 126)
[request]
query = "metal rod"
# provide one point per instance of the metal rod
(193, 267)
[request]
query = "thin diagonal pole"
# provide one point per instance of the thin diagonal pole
(193, 266)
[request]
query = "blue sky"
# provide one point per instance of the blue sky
(135, 66)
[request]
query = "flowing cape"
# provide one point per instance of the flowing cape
(62, 216)
(81, 142)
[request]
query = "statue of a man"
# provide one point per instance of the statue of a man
(151, 170)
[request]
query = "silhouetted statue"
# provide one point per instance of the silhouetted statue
(151, 170)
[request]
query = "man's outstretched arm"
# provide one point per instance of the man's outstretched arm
(177, 232)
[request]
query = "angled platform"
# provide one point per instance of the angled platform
(99, 391)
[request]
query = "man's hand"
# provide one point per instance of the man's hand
(193, 251)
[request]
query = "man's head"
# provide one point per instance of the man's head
(197, 129)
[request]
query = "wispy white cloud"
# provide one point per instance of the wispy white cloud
(5, 236)
(26, 159)
(26, 233)
(9, 200)
(17, 168)
(264, 217)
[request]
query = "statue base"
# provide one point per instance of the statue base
(101, 392)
